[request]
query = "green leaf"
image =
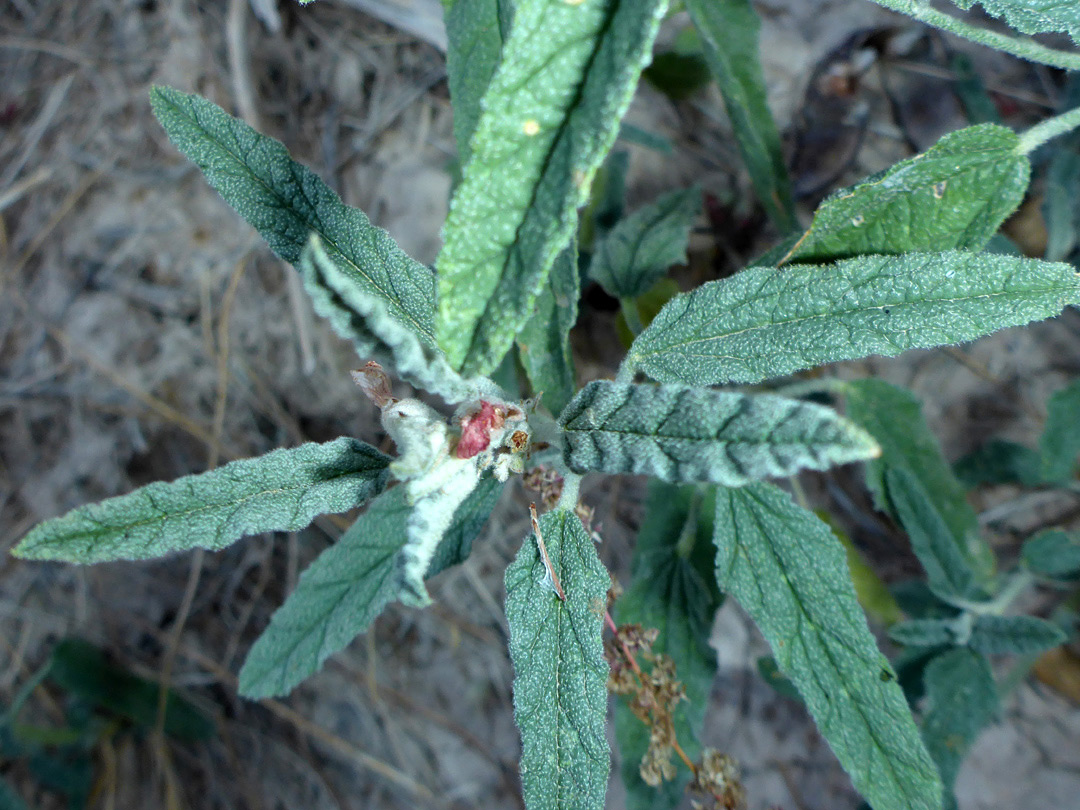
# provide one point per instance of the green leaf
(347, 586)
(954, 195)
(729, 34)
(475, 32)
(683, 434)
(638, 251)
(82, 669)
(948, 572)
(364, 319)
(1052, 553)
(1000, 462)
(673, 589)
(1060, 441)
(1014, 635)
(1058, 209)
(924, 633)
(1033, 16)
(767, 322)
(550, 114)
(287, 202)
(544, 343)
(870, 590)
(282, 491)
(894, 417)
(771, 674)
(560, 674)
(788, 571)
(962, 701)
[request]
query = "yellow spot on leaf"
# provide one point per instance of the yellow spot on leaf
(531, 127)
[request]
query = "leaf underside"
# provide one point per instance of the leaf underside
(560, 674)
(549, 116)
(544, 343)
(682, 434)
(286, 202)
(283, 490)
(954, 195)
(768, 322)
(788, 572)
(347, 586)
(1033, 16)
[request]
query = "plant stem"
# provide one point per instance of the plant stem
(632, 316)
(571, 486)
(1023, 47)
(1050, 128)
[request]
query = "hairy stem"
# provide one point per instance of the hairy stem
(632, 316)
(1050, 128)
(1023, 47)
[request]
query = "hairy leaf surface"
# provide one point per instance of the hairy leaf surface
(1014, 635)
(948, 572)
(963, 700)
(287, 202)
(683, 434)
(729, 35)
(1033, 16)
(560, 675)
(954, 195)
(788, 571)
(282, 491)
(364, 319)
(549, 116)
(347, 586)
(1060, 441)
(894, 417)
(924, 633)
(475, 32)
(544, 343)
(674, 591)
(767, 322)
(638, 251)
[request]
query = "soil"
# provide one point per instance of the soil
(147, 333)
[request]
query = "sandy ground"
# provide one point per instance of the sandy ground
(146, 333)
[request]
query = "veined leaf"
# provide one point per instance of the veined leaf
(771, 674)
(560, 675)
(364, 319)
(287, 202)
(638, 251)
(954, 195)
(282, 491)
(347, 586)
(1014, 635)
(963, 700)
(1033, 16)
(550, 114)
(870, 590)
(948, 572)
(1052, 553)
(544, 343)
(475, 32)
(674, 591)
(788, 572)
(683, 434)
(767, 322)
(894, 417)
(729, 34)
(82, 669)
(1060, 441)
